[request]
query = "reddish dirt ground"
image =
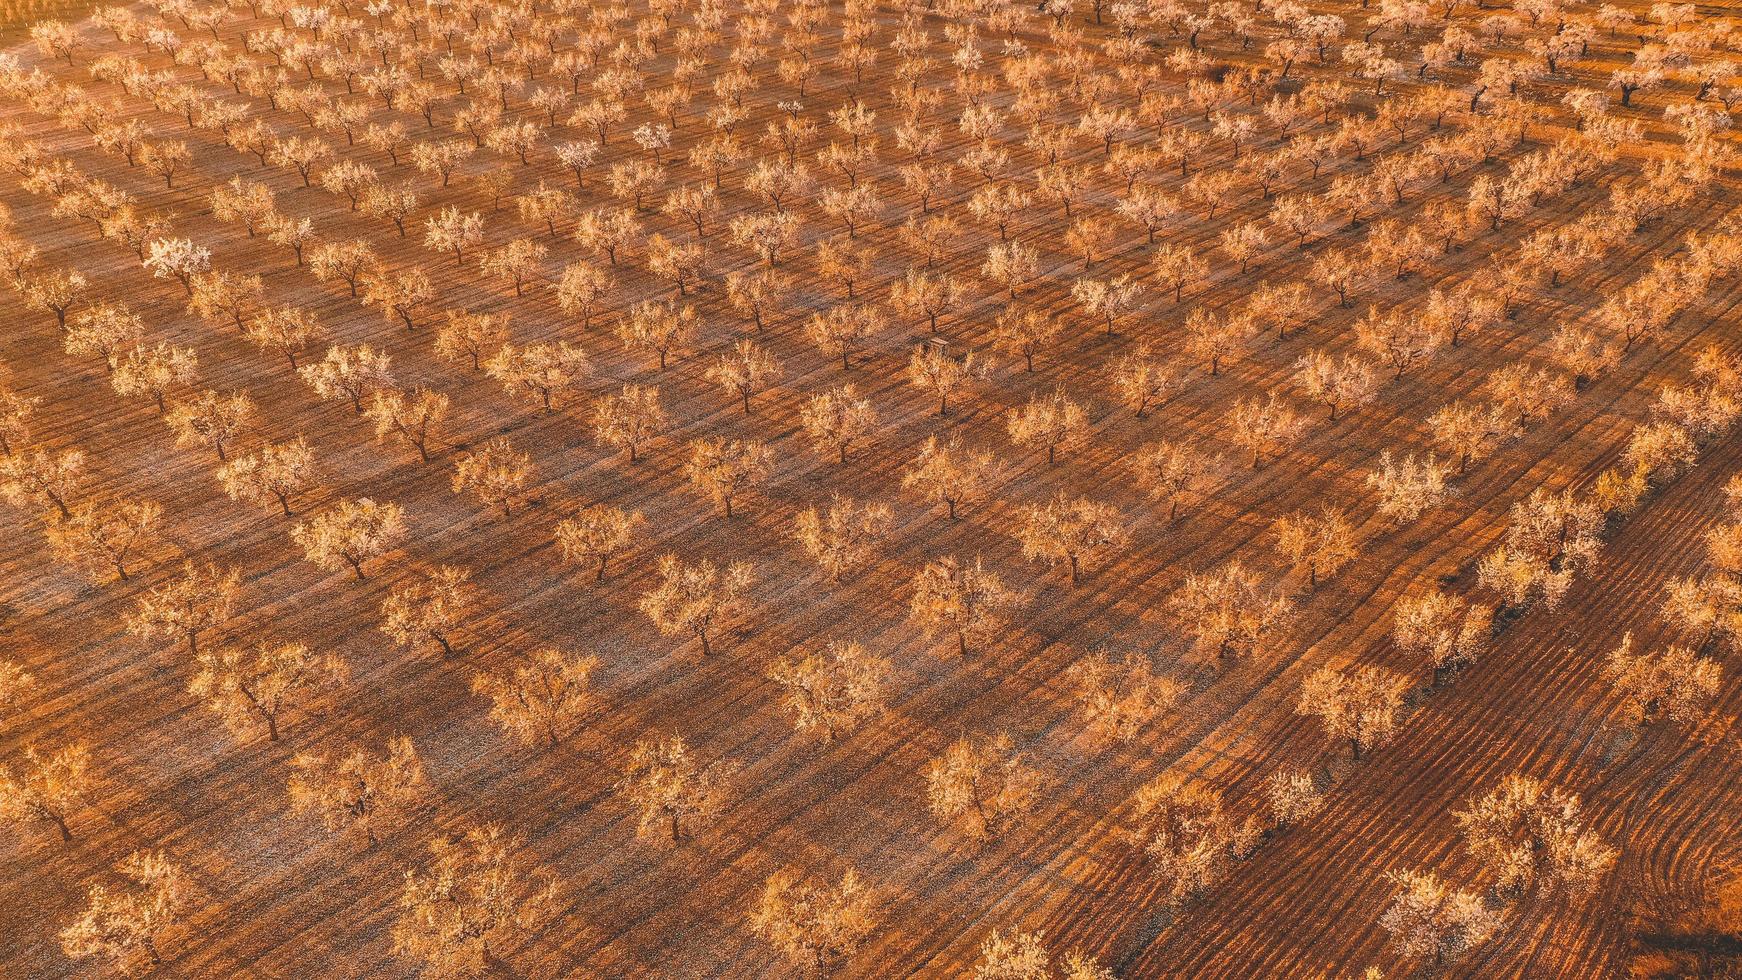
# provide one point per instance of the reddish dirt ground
(275, 896)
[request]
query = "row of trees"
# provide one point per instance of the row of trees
(984, 783)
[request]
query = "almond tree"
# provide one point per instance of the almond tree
(349, 372)
(453, 231)
(476, 892)
(928, 294)
(947, 472)
(1265, 428)
(598, 533)
(982, 784)
(660, 329)
(196, 602)
(1174, 472)
(607, 230)
(544, 371)
(54, 291)
(103, 331)
(759, 293)
(965, 601)
(1360, 705)
(1178, 268)
(669, 788)
(496, 473)
(1322, 542)
(45, 787)
(271, 475)
(842, 330)
(1449, 633)
(581, 288)
(301, 154)
(41, 473)
(845, 263)
(832, 690)
(518, 261)
(56, 38)
(1189, 838)
(430, 607)
(1025, 333)
(99, 537)
(1215, 338)
(1677, 684)
(152, 371)
(350, 262)
(1010, 266)
(1293, 797)
(935, 371)
(1409, 489)
(15, 413)
(287, 330)
(721, 469)
(1550, 537)
(814, 925)
(356, 790)
(1284, 306)
(1120, 698)
(243, 202)
(629, 418)
(1142, 379)
(678, 262)
(1339, 384)
(1023, 957)
(1401, 339)
(292, 233)
(213, 418)
(1229, 610)
(350, 534)
(543, 699)
(1705, 606)
(261, 686)
(1052, 421)
(1110, 300)
(1088, 237)
(748, 368)
(178, 259)
(1339, 273)
(836, 419)
(469, 337)
(407, 416)
(697, 597)
(1428, 918)
(398, 294)
(1068, 531)
(395, 203)
(1532, 834)
(122, 923)
(846, 538)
